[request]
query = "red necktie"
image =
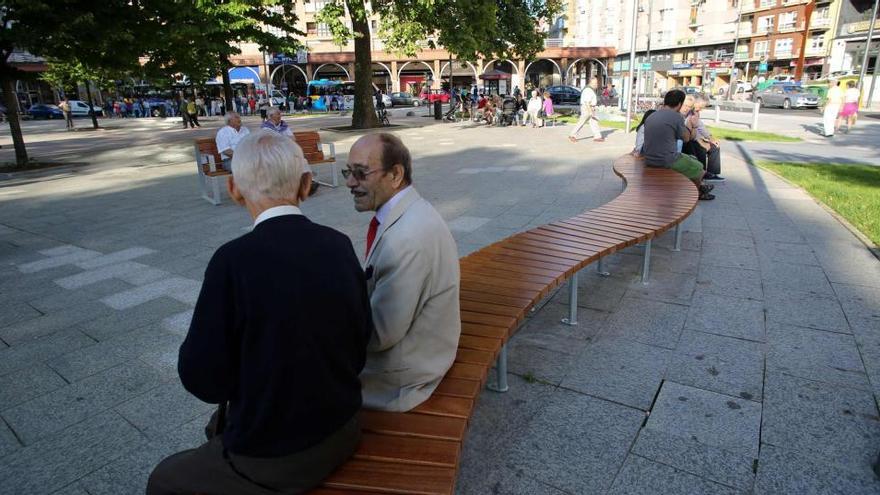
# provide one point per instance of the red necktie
(371, 234)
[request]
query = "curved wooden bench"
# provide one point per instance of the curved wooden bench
(418, 452)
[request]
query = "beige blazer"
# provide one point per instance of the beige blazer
(413, 282)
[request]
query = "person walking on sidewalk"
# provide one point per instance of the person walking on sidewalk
(833, 102)
(850, 106)
(65, 109)
(588, 113)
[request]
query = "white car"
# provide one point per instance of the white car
(79, 108)
(386, 99)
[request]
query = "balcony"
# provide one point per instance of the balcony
(788, 3)
(816, 51)
(749, 7)
(783, 54)
(553, 42)
(742, 56)
(763, 30)
(791, 27)
(820, 23)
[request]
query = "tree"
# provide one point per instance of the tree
(467, 29)
(72, 32)
(198, 40)
(63, 75)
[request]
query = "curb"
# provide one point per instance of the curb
(869, 245)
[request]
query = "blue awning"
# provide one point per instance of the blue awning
(246, 75)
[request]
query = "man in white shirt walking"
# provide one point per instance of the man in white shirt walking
(588, 113)
(228, 137)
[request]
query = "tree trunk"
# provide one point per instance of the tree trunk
(11, 102)
(227, 84)
(91, 104)
(364, 114)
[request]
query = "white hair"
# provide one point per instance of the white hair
(267, 165)
(229, 116)
(272, 111)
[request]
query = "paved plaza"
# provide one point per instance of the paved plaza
(749, 363)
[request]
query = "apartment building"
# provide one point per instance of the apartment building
(577, 47)
(786, 37)
(849, 41)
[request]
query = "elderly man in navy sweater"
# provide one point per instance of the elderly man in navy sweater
(278, 338)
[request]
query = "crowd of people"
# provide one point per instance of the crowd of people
(675, 137)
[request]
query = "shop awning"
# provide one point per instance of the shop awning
(494, 75)
(244, 75)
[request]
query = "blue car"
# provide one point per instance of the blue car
(41, 111)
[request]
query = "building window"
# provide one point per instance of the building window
(761, 49)
(783, 47)
(765, 24)
(817, 43)
(787, 20)
(311, 29)
(768, 3)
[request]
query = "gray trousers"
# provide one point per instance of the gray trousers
(212, 469)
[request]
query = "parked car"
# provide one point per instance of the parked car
(80, 108)
(403, 98)
(434, 95)
(786, 96)
(387, 101)
(564, 95)
(42, 111)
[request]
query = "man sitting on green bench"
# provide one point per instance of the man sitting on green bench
(663, 129)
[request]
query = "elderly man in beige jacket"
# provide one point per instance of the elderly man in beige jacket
(412, 278)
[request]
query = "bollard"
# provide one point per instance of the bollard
(717, 112)
(755, 112)
(500, 372)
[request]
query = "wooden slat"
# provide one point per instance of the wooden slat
(458, 387)
(390, 477)
(487, 319)
(468, 371)
(479, 343)
(485, 331)
(491, 309)
(441, 405)
(473, 356)
(412, 425)
(408, 450)
(516, 302)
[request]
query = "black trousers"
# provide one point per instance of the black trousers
(212, 469)
(711, 158)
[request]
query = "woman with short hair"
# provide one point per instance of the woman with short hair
(273, 122)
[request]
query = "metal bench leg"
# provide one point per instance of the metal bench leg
(572, 319)
(677, 238)
(600, 270)
(215, 187)
(500, 372)
(646, 265)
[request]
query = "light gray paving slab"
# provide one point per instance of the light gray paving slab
(830, 422)
(164, 408)
(478, 477)
(16, 311)
(787, 252)
(56, 261)
(781, 471)
(57, 461)
(72, 489)
(649, 322)
(178, 323)
(466, 223)
(817, 355)
(710, 418)
(721, 364)
(28, 383)
(120, 322)
(642, 476)
(115, 257)
(724, 236)
(710, 463)
(8, 442)
(619, 370)
(790, 276)
(806, 310)
(730, 256)
(731, 316)
(860, 303)
(48, 324)
(65, 299)
(127, 270)
(61, 250)
(24, 355)
(182, 289)
(734, 282)
(580, 456)
(56, 411)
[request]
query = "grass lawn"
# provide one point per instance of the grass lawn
(853, 191)
(718, 132)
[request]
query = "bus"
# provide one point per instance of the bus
(319, 88)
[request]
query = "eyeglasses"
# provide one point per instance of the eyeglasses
(358, 173)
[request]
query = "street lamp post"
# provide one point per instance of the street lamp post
(632, 61)
(864, 70)
(731, 88)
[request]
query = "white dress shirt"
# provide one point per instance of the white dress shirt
(385, 209)
(277, 211)
(228, 138)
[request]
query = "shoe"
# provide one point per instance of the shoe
(713, 178)
(706, 196)
(572, 139)
(314, 188)
(599, 140)
(705, 188)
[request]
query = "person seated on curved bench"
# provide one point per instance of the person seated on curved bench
(412, 275)
(275, 340)
(662, 129)
(229, 136)
(704, 147)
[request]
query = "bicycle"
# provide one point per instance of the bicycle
(382, 115)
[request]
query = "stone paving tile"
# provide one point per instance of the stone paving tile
(721, 364)
(467, 224)
(724, 236)
(595, 292)
(16, 311)
(580, 456)
(786, 252)
(164, 408)
(734, 282)
(181, 289)
(730, 316)
(619, 370)
(115, 257)
(35, 328)
(860, 303)
(642, 476)
(120, 322)
(711, 463)
(72, 489)
(28, 383)
(838, 424)
(848, 262)
(780, 471)
(54, 261)
(84, 295)
(806, 310)
(37, 351)
(710, 418)
(57, 461)
(648, 322)
(544, 328)
(129, 271)
(817, 355)
(730, 256)
(51, 413)
(789, 276)
(480, 478)
(8, 442)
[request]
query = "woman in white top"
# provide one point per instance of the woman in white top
(850, 109)
(532, 110)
